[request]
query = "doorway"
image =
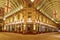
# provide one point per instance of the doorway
(29, 28)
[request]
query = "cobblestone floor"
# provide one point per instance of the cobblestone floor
(17, 36)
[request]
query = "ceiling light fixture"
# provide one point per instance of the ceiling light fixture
(56, 22)
(3, 18)
(21, 7)
(52, 19)
(32, 0)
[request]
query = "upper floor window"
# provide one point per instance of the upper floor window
(29, 5)
(29, 14)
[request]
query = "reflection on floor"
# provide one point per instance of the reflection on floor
(17, 36)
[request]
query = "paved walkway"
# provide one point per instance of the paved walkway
(17, 36)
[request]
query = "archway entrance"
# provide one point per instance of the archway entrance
(29, 28)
